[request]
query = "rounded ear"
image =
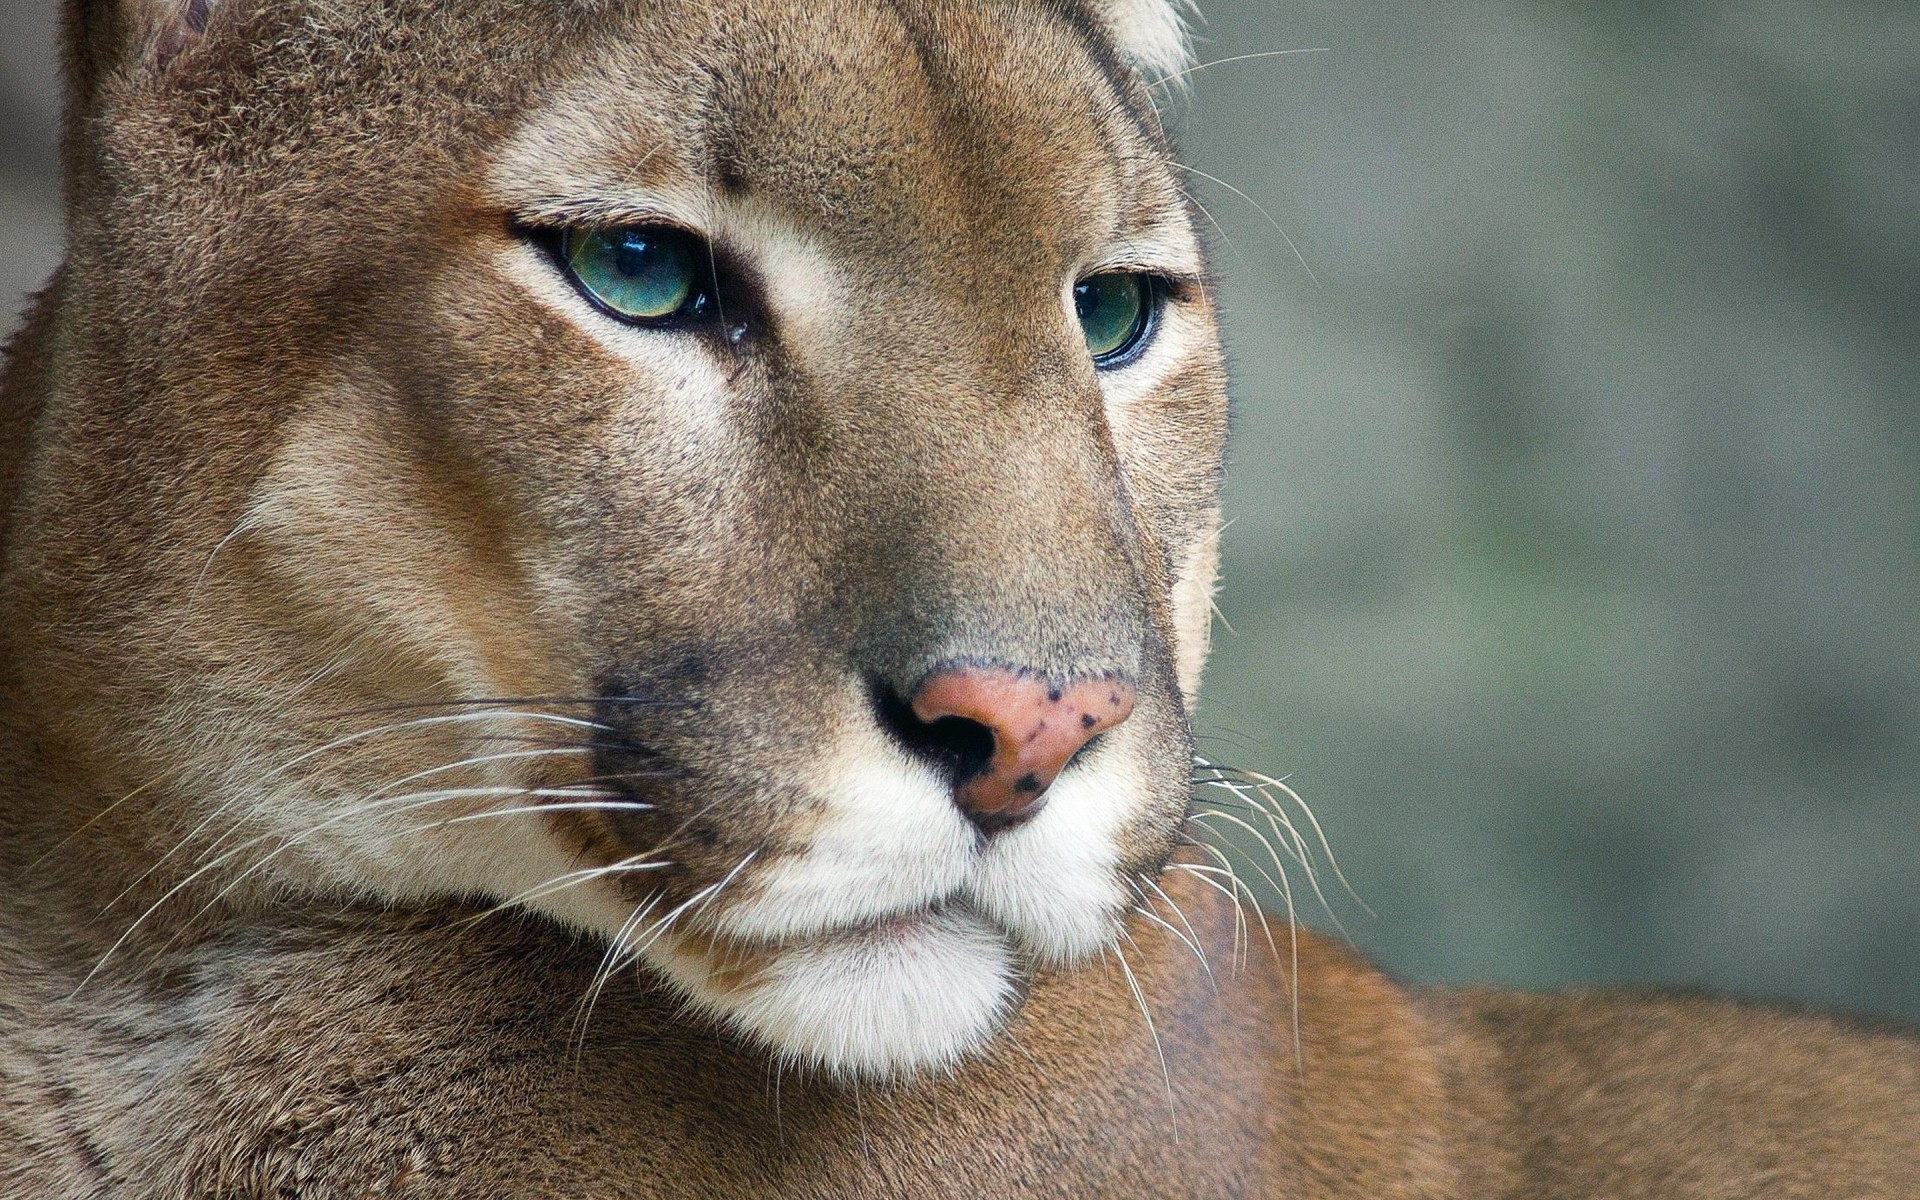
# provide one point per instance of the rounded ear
(116, 40)
(1151, 33)
(107, 37)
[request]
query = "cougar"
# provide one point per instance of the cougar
(602, 599)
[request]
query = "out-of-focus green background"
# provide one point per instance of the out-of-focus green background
(1575, 566)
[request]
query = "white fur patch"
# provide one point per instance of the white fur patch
(886, 1000)
(890, 841)
(1152, 34)
(1052, 880)
(893, 942)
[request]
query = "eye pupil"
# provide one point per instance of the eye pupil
(1113, 309)
(639, 273)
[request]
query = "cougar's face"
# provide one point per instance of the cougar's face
(746, 489)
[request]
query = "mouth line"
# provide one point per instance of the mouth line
(736, 965)
(896, 923)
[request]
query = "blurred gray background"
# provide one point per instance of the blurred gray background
(1574, 573)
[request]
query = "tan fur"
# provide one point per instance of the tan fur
(308, 456)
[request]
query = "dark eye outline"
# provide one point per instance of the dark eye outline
(1157, 288)
(699, 310)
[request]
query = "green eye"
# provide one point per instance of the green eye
(1114, 310)
(641, 273)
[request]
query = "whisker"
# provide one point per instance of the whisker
(1283, 829)
(1195, 69)
(1239, 909)
(514, 702)
(632, 864)
(336, 744)
(95, 819)
(1218, 228)
(527, 739)
(1140, 999)
(405, 802)
(188, 838)
(1257, 207)
(1326, 847)
(245, 523)
(1150, 915)
(619, 957)
(1192, 934)
(432, 722)
(1225, 867)
(603, 970)
(523, 810)
(1293, 929)
(1200, 816)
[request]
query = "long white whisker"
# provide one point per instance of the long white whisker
(245, 523)
(1193, 935)
(1283, 829)
(284, 768)
(1175, 933)
(432, 722)
(383, 797)
(1293, 931)
(632, 864)
(605, 968)
(1239, 909)
(405, 802)
(1217, 228)
(1326, 847)
(1200, 816)
(1221, 62)
(1253, 901)
(629, 955)
(1277, 228)
(1140, 999)
(522, 810)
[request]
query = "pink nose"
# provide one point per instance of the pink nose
(1036, 724)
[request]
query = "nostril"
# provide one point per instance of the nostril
(959, 746)
(1002, 734)
(967, 743)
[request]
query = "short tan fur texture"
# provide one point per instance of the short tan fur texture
(450, 739)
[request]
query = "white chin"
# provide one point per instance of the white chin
(906, 995)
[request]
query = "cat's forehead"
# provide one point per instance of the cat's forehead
(893, 125)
